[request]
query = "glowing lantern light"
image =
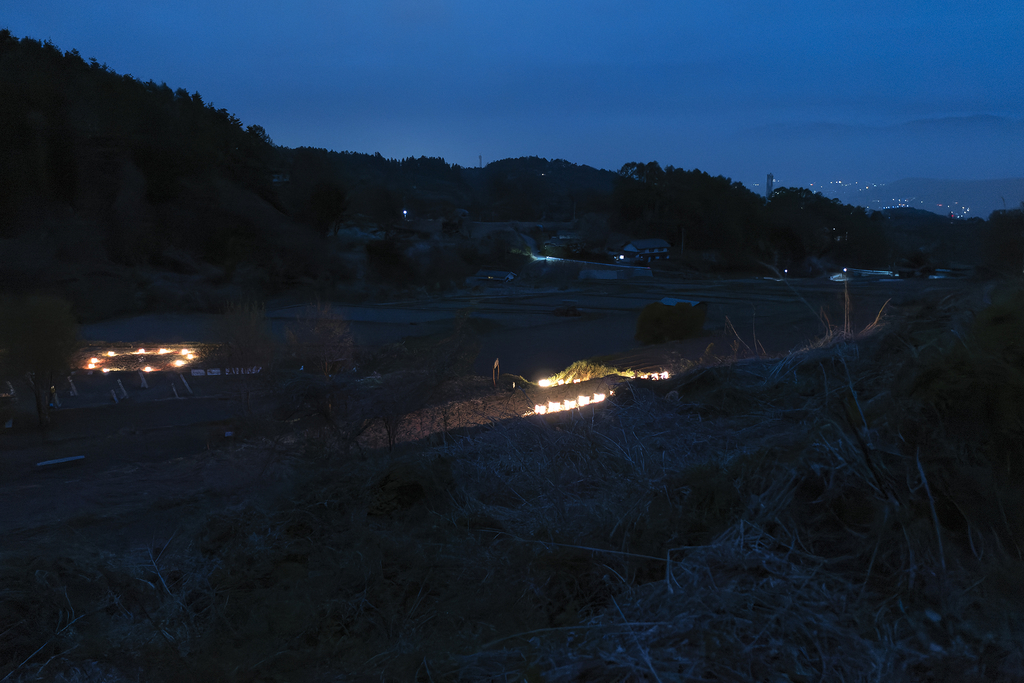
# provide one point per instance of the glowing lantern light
(561, 382)
(539, 409)
(664, 375)
(91, 366)
(162, 351)
(190, 356)
(140, 351)
(184, 352)
(583, 400)
(179, 363)
(106, 369)
(544, 383)
(94, 360)
(554, 406)
(575, 381)
(598, 398)
(569, 405)
(147, 369)
(111, 354)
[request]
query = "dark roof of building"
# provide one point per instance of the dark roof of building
(495, 274)
(653, 243)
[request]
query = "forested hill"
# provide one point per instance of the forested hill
(126, 195)
(69, 124)
(71, 127)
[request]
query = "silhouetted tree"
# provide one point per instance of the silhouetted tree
(328, 204)
(320, 339)
(38, 338)
(1004, 240)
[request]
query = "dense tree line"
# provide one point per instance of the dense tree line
(704, 212)
(523, 189)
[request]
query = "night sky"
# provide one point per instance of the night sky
(814, 92)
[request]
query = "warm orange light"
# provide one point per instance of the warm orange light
(184, 351)
(111, 354)
(94, 360)
(568, 404)
(544, 383)
(147, 369)
(91, 366)
(106, 369)
(179, 363)
(162, 351)
(140, 351)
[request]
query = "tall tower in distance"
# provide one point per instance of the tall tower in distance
(769, 186)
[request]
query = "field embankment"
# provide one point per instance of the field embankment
(850, 512)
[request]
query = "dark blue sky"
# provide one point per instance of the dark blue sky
(814, 91)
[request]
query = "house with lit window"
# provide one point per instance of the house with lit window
(495, 276)
(642, 251)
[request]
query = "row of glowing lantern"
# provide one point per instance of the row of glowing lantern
(93, 362)
(648, 375)
(568, 404)
(653, 375)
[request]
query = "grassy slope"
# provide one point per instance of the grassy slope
(834, 515)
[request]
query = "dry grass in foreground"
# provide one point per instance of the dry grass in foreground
(850, 513)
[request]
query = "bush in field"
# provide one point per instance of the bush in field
(659, 323)
(585, 370)
(976, 385)
(320, 338)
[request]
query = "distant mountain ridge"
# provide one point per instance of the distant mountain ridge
(963, 198)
